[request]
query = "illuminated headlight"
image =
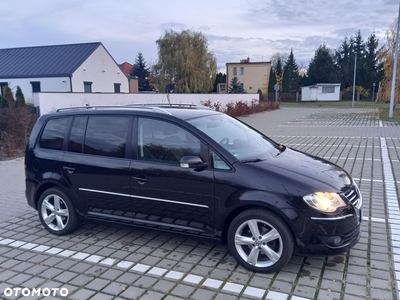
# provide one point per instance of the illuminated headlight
(324, 202)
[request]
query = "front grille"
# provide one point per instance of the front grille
(354, 196)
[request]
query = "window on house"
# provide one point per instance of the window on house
(222, 87)
(117, 88)
(234, 71)
(35, 86)
(241, 70)
(3, 86)
(87, 86)
(328, 89)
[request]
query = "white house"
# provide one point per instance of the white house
(86, 68)
(321, 92)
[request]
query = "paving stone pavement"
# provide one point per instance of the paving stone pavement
(114, 262)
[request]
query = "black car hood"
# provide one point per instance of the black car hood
(313, 171)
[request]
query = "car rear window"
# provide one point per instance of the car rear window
(54, 133)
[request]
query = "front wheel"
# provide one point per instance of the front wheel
(260, 241)
(56, 212)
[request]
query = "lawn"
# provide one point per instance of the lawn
(382, 107)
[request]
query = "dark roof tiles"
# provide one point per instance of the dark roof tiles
(44, 61)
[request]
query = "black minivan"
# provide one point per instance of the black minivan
(191, 170)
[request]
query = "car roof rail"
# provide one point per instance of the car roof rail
(153, 106)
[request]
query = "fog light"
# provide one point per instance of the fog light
(337, 241)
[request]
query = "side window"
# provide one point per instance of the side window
(76, 138)
(165, 142)
(218, 163)
(54, 134)
(107, 136)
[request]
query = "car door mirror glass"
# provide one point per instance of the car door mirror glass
(192, 161)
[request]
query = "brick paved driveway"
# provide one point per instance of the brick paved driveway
(113, 262)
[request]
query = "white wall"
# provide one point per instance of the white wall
(92, 70)
(49, 84)
(50, 101)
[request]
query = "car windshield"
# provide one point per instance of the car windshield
(240, 140)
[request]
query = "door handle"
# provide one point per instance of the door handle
(140, 179)
(69, 169)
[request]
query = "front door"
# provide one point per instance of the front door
(164, 194)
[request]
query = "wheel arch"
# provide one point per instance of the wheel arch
(234, 213)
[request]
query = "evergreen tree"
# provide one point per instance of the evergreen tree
(285, 80)
(271, 81)
(292, 75)
(10, 97)
(141, 71)
(235, 87)
(372, 69)
(359, 48)
(3, 102)
(345, 63)
(219, 78)
(322, 68)
(19, 97)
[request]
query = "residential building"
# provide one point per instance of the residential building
(253, 75)
(126, 68)
(86, 68)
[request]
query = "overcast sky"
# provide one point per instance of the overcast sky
(235, 29)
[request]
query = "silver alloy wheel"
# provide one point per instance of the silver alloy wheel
(55, 212)
(258, 243)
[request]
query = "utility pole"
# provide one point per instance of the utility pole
(396, 54)
(354, 79)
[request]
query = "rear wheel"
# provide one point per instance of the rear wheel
(56, 212)
(260, 241)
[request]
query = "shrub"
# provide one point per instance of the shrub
(241, 108)
(15, 126)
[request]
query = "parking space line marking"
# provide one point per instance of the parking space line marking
(193, 279)
(214, 283)
(66, 253)
(28, 246)
(108, 261)
(254, 292)
(94, 258)
(157, 271)
(6, 241)
(124, 264)
(41, 248)
(140, 268)
(54, 250)
(174, 275)
(391, 201)
(80, 255)
(17, 244)
(234, 287)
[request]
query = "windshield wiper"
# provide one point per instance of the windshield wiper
(251, 160)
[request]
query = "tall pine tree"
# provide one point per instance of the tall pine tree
(141, 71)
(292, 75)
(271, 81)
(322, 68)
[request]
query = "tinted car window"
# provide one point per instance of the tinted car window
(54, 133)
(165, 142)
(106, 136)
(76, 138)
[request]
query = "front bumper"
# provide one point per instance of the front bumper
(330, 236)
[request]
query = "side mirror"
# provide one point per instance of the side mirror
(192, 162)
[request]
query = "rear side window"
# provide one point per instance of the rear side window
(107, 136)
(76, 139)
(54, 134)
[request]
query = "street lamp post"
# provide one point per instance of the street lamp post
(373, 91)
(354, 80)
(396, 54)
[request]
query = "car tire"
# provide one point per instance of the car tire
(57, 213)
(260, 241)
